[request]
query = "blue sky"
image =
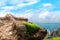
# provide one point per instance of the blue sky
(42, 11)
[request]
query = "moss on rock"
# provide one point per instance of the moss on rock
(32, 28)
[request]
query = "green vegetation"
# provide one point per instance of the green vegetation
(31, 28)
(54, 38)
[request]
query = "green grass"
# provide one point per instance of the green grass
(54, 38)
(32, 28)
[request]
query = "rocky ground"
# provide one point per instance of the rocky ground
(12, 28)
(56, 33)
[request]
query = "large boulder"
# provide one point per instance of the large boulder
(12, 28)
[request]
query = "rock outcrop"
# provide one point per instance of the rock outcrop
(12, 28)
(56, 33)
(39, 35)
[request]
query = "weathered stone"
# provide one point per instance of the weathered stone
(56, 33)
(39, 35)
(11, 28)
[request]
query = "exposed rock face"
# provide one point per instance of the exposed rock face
(39, 35)
(11, 28)
(56, 33)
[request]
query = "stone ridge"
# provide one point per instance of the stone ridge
(12, 28)
(13, 18)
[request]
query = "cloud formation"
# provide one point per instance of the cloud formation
(47, 4)
(26, 15)
(43, 15)
(15, 4)
(34, 10)
(7, 6)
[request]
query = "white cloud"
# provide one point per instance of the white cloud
(47, 4)
(29, 2)
(7, 8)
(28, 15)
(16, 4)
(43, 15)
(4, 12)
(32, 2)
(25, 15)
(49, 16)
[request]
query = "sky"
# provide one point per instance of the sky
(42, 11)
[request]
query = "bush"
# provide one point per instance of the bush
(31, 28)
